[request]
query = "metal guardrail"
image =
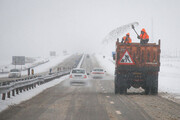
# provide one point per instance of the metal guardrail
(26, 84)
(18, 79)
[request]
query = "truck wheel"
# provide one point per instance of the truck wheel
(148, 83)
(120, 84)
(154, 88)
(125, 90)
(121, 90)
(147, 90)
(116, 89)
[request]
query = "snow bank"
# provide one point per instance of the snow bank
(4, 104)
(54, 61)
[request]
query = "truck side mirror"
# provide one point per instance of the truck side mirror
(114, 58)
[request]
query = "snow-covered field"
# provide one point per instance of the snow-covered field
(53, 61)
(47, 64)
(169, 76)
(5, 65)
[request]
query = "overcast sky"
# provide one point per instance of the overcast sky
(35, 27)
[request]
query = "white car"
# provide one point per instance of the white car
(97, 73)
(78, 76)
(14, 73)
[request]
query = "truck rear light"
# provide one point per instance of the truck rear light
(85, 76)
(70, 76)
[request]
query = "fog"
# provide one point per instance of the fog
(35, 27)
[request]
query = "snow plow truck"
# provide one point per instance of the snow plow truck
(137, 66)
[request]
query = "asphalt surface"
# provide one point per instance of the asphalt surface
(95, 101)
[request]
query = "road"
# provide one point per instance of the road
(96, 101)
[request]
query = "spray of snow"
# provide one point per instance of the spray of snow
(118, 32)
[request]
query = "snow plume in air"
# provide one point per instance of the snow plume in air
(114, 34)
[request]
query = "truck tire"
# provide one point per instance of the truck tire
(154, 87)
(122, 83)
(148, 83)
(147, 90)
(123, 90)
(116, 87)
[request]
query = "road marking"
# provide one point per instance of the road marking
(118, 112)
(107, 96)
(111, 102)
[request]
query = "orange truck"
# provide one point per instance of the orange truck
(138, 66)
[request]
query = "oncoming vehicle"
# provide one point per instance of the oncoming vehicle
(14, 73)
(97, 73)
(78, 76)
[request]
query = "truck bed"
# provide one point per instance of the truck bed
(136, 56)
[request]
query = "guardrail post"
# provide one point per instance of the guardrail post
(13, 93)
(9, 94)
(3, 96)
(17, 91)
(20, 89)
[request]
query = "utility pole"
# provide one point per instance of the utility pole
(152, 23)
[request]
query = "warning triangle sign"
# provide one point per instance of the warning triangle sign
(126, 59)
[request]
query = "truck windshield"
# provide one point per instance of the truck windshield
(101, 70)
(78, 71)
(14, 70)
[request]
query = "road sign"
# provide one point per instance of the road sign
(126, 59)
(113, 55)
(52, 53)
(18, 60)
